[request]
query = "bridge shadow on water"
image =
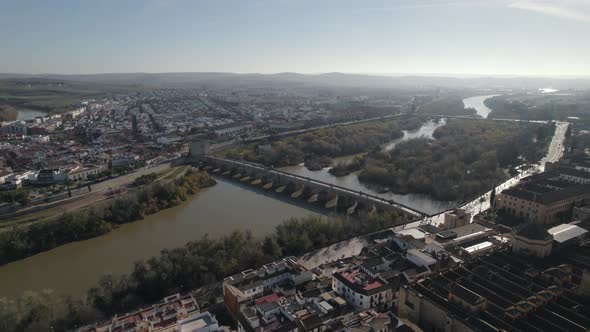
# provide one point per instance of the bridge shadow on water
(283, 197)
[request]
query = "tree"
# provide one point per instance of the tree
(8, 315)
(22, 197)
(271, 248)
(493, 197)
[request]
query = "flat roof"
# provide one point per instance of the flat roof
(424, 258)
(325, 305)
(565, 232)
(201, 321)
(446, 235)
(479, 246)
(351, 277)
(548, 197)
(414, 231)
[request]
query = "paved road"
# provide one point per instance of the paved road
(556, 147)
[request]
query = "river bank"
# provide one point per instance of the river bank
(419, 202)
(478, 103)
(101, 216)
(72, 268)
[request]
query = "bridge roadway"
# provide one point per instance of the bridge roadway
(378, 201)
(471, 117)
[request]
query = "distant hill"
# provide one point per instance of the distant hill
(219, 79)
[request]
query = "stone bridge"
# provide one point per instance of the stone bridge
(313, 191)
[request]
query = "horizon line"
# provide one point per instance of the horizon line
(379, 74)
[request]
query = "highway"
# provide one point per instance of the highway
(556, 147)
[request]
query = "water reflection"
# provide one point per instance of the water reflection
(73, 268)
(419, 202)
(477, 103)
(29, 114)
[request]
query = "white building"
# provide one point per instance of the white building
(83, 172)
(40, 138)
(203, 322)
(360, 290)
(234, 131)
(75, 113)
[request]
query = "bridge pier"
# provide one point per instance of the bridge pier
(352, 208)
(314, 191)
(372, 212)
(313, 198)
(332, 202)
(298, 192)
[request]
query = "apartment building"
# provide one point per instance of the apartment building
(541, 205)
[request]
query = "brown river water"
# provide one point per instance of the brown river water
(73, 268)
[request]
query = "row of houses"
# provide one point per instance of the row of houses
(39, 125)
(461, 276)
(11, 180)
(174, 313)
(547, 197)
(358, 293)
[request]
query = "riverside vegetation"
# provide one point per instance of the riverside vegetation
(317, 147)
(467, 158)
(540, 107)
(198, 263)
(450, 105)
(21, 242)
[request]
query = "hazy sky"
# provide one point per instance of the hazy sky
(529, 37)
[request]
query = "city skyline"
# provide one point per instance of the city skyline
(426, 37)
